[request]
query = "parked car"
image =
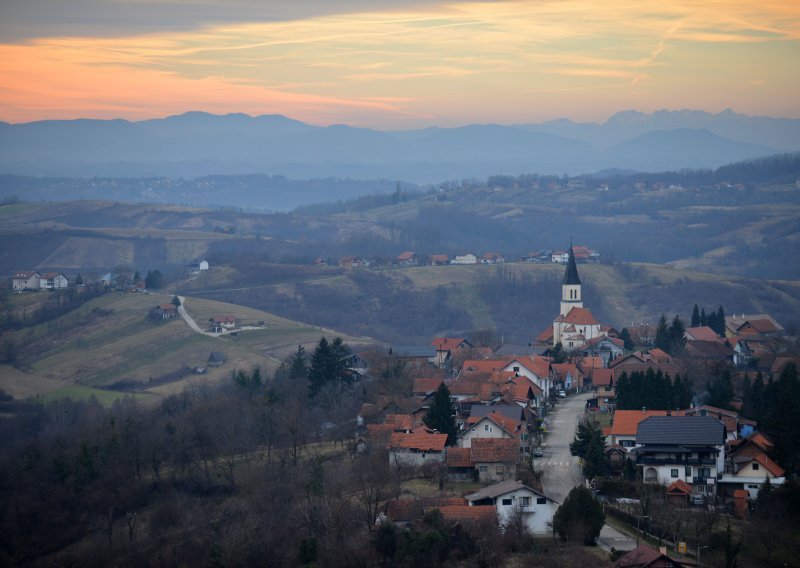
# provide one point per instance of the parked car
(562, 394)
(538, 453)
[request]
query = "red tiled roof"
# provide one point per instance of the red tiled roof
(741, 494)
(545, 336)
(426, 385)
(494, 450)
(408, 255)
(588, 364)
(561, 370)
(679, 486)
(400, 421)
(539, 366)
(579, 316)
(602, 377)
(447, 343)
(224, 319)
(641, 556)
(398, 510)
(627, 421)
(483, 365)
(48, 275)
(418, 440)
(459, 457)
(781, 362)
(477, 513)
(702, 333)
(439, 258)
(762, 459)
(167, 307)
(465, 387)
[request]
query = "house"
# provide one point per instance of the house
(749, 466)
(511, 498)
(418, 356)
(53, 281)
(439, 260)
(221, 323)
(467, 258)
(702, 333)
(734, 424)
(167, 311)
(353, 262)
(29, 280)
(492, 258)
(407, 258)
(603, 380)
(447, 346)
(560, 256)
(607, 348)
(216, 359)
(710, 351)
(418, 448)
(424, 387)
(754, 325)
(494, 426)
(567, 375)
(691, 448)
(197, 266)
(641, 361)
(645, 556)
(626, 422)
(487, 460)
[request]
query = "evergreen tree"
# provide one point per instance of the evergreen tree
(703, 317)
(441, 416)
(79, 280)
(154, 280)
(720, 390)
(298, 364)
(625, 336)
(176, 301)
(695, 316)
(580, 518)
(720, 322)
(677, 336)
(590, 445)
(662, 334)
(330, 364)
(780, 417)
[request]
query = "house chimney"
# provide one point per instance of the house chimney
(644, 409)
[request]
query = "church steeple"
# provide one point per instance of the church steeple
(571, 285)
(571, 275)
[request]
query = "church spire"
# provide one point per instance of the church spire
(571, 275)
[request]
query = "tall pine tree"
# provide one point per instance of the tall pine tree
(441, 416)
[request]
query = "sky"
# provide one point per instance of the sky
(394, 63)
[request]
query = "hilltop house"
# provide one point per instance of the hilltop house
(353, 262)
(467, 258)
(30, 280)
(197, 266)
(492, 258)
(53, 281)
(218, 324)
(439, 259)
(407, 258)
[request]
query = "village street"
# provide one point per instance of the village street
(561, 470)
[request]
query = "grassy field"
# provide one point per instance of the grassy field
(110, 340)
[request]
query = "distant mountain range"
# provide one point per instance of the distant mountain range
(196, 144)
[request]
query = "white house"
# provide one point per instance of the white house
(689, 448)
(29, 280)
(53, 281)
(534, 368)
(493, 425)
(197, 266)
(512, 497)
(560, 256)
(468, 258)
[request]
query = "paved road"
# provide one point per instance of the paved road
(560, 470)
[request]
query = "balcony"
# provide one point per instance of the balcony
(677, 462)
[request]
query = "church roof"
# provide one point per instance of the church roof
(578, 316)
(571, 275)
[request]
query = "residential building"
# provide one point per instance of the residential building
(418, 448)
(511, 498)
(29, 280)
(53, 281)
(439, 259)
(645, 556)
(353, 262)
(408, 258)
(467, 258)
(220, 323)
(197, 266)
(690, 448)
(626, 422)
(167, 311)
(492, 258)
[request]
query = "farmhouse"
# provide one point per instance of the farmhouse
(29, 280)
(53, 281)
(218, 324)
(513, 497)
(467, 258)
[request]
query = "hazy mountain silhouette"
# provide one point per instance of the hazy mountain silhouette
(197, 143)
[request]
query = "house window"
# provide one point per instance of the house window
(755, 467)
(483, 468)
(673, 473)
(704, 472)
(506, 502)
(752, 486)
(486, 427)
(627, 443)
(500, 470)
(541, 500)
(688, 471)
(516, 369)
(526, 501)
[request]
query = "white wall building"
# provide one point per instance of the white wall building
(511, 497)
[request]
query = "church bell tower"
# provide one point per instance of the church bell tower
(571, 286)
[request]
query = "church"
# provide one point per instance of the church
(575, 326)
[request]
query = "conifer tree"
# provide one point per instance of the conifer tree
(330, 364)
(441, 416)
(695, 316)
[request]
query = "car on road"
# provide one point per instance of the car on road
(562, 394)
(538, 452)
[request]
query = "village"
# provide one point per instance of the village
(505, 453)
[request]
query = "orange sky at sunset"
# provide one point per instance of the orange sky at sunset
(403, 64)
